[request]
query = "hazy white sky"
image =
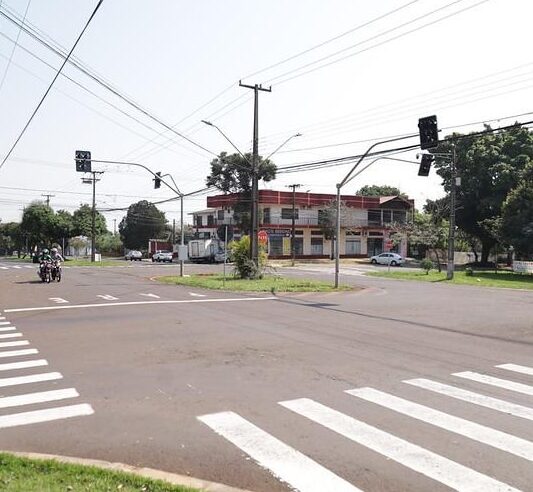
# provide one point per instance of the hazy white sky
(464, 60)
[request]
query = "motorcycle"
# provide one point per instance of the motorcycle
(56, 270)
(45, 271)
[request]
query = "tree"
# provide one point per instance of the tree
(63, 225)
(379, 190)
(327, 218)
(82, 222)
(11, 238)
(109, 244)
(38, 224)
(142, 222)
(490, 167)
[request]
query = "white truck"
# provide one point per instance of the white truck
(204, 250)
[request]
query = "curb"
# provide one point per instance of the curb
(151, 473)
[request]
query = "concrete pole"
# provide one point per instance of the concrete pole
(337, 237)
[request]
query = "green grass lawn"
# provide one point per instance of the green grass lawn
(29, 475)
(503, 278)
(103, 263)
(267, 284)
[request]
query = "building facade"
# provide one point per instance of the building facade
(365, 222)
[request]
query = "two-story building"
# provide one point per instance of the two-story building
(365, 222)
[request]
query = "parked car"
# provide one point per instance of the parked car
(162, 255)
(392, 259)
(133, 255)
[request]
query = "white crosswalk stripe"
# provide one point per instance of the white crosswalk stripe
(45, 415)
(25, 364)
(17, 353)
(18, 343)
(426, 462)
(284, 462)
(11, 335)
(475, 398)
(33, 378)
(517, 368)
(8, 328)
(500, 383)
(477, 432)
(40, 397)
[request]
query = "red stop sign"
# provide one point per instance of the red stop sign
(262, 236)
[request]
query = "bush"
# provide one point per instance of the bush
(426, 264)
(244, 267)
(469, 272)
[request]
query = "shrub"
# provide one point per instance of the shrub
(469, 272)
(426, 264)
(244, 267)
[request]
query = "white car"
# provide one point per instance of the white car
(392, 259)
(162, 255)
(133, 255)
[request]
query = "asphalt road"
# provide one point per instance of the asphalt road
(251, 390)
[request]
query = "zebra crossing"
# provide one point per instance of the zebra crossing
(304, 474)
(10, 386)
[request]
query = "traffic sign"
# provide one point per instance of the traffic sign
(262, 237)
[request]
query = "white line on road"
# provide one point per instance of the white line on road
(58, 300)
(138, 303)
(4, 268)
(23, 365)
(151, 295)
(45, 415)
(107, 297)
(16, 353)
(28, 266)
(517, 368)
(40, 397)
(2, 317)
(466, 428)
(8, 328)
(475, 398)
(33, 378)
(194, 294)
(421, 460)
(16, 266)
(14, 344)
(11, 335)
(287, 464)
(500, 383)
(5, 322)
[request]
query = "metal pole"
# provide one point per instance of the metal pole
(293, 232)
(93, 224)
(451, 234)
(338, 236)
(225, 253)
(182, 242)
(255, 184)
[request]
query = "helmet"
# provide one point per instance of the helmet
(53, 250)
(45, 251)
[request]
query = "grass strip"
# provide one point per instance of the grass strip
(19, 474)
(503, 279)
(269, 283)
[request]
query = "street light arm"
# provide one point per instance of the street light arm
(208, 123)
(375, 160)
(283, 144)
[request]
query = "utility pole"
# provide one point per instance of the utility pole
(293, 232)
(93, 180)
(182, 233)
(451, 234)
(173, 232)
(48, 196)
(114, 226)
(254, 250)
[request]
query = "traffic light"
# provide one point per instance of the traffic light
(429, 132)
(83, 161)
(157, 180)
(425, 164)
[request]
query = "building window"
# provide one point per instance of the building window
(387, 217)
(317, 233)
(198, 220)
(286, 213)
(210, 220)
(399, 216)
(275, 245)
(317, 246)
(374, 217)
(220, 214)
(353, 246)
(323, 217)
(299, 246)
(266, 216)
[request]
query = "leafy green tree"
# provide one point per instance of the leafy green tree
(379, 190)
(63, 225)
(11, 237)
(82, 222)
(142, 222)
(109, 244)
(490, 167)
(38, 224)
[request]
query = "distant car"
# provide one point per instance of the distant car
(392, 259)
(162, 255)
(220, 257)
(133, 255)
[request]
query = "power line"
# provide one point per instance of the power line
(52, 83)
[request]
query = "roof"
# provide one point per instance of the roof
(205, 211)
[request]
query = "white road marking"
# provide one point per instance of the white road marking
(11, 335)
(287, 464)
(475, 398)
(14, 344)
(517, 368)
(28, 266)
(421, 460)
(16, 266)
(500, 383)
(58, 300)
(5, 322)
(194, 294)
(2, 317)
(138, 303)
(4, 268)
(23, 365)
(151, 295)
(107, 297)
(41, 397)
(477, 432)
(33, 378)
(47, 415)
(16, 353)
(8, 328)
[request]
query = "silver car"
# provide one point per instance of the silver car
(392, 259)
(133, 255)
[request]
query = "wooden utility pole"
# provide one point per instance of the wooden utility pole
(293, 216)
(48, 196)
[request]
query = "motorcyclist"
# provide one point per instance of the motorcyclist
(56, 255)
(44, 258)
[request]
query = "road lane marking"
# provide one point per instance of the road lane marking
(151, 295)
(11, 335)
(28, 266)
(33, 378)
(466, 428)
(58, 300)
(47, 415)
(5, 322)
(139, 303)
(284, 462)
(2, 317)
(40, 397)
(421, 460)
(16, 353)
(8, 328)
(23, 365)
(14, 344)
(194, 294)
(492, 381)
(107, 297)
(475, 398)
(517, 368)
(4, 268)
(16, 266)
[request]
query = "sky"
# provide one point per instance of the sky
(343, 73)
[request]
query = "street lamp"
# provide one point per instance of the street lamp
(209, 123)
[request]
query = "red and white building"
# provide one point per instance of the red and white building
(365, 224)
